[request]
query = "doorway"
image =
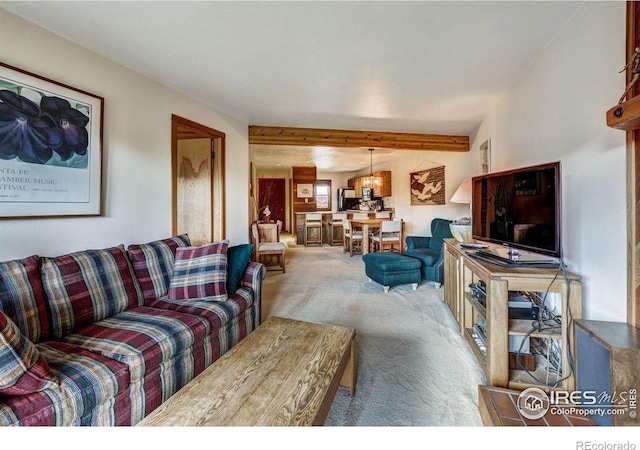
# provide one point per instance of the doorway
(272, 193)
(197, 174)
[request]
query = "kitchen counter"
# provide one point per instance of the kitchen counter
(358, 211)
(299, 230)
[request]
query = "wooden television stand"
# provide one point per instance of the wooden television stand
(462, 270)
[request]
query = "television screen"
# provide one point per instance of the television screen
(519, 208)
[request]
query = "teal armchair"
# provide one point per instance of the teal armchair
(430, 250)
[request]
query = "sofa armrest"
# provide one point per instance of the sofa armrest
(417, 242)
(253, 276)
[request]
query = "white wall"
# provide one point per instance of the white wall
(556, 112)
(137, 149)
(418, 217)
(457, 167)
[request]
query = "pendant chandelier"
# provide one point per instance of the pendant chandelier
(371, 181)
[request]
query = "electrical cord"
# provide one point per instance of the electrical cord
(545, 323)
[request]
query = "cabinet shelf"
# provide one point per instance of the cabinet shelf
(480, 355)
(522, 327)
(475, 304)
(493, 353)
(521, 379)
(382, 189)
(625, 116)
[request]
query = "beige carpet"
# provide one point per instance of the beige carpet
(414, 367)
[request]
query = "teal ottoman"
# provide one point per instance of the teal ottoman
(391, 269)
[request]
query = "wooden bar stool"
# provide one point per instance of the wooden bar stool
(313, 229)
(336, 225)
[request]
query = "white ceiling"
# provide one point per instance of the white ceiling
(417, 66)
(326, 159)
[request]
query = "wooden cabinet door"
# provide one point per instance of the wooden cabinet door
(197, 178)
(193, 188)
(358, 187)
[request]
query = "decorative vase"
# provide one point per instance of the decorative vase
(461, 232)
(267, 214)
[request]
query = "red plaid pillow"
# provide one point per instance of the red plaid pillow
(153, 264)
(200, 273)
(87, 286)
(22, 298)
(22, 369)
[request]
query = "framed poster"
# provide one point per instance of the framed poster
(427, 187)
(50, 147)
(485, 157)
(305, 190)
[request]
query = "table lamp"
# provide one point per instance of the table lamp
(461, 228)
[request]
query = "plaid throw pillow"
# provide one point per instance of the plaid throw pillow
(22, 369)
(153, 264)
(200, 273)
(22, 298)
(87, 286)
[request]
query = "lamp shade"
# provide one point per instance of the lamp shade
(463, 193)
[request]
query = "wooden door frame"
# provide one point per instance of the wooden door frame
(203, 131)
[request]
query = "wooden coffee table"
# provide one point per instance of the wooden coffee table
(285, 373)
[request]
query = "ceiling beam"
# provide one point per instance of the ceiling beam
(352, 138)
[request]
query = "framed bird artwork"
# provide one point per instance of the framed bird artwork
(427, 187)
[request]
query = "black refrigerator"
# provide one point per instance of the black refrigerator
(347, 199)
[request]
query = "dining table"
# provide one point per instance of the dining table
(366, 225)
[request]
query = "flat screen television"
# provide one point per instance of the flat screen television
(519, 208)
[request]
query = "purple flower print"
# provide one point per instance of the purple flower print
(24, 132)
(71, 122)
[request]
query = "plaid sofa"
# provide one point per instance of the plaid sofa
(93, 338)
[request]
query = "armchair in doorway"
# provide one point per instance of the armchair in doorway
(266, 239)
(430, 250)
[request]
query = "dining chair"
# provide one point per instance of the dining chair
(351, 238)
(266, 240)
(389, 235)
(359, 216)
